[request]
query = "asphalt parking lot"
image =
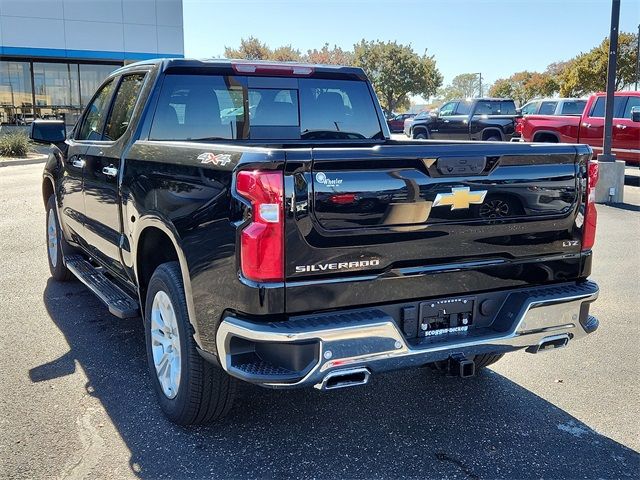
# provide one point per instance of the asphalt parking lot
(75, 400)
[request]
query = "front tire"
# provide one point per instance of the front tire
(55, 242)
(420, 135)
(189, 389)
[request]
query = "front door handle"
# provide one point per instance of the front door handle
(586, 125)
(446, 121)
(620, 126)
(78, 163)
(110, 171)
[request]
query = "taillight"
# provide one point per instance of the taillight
(262, 240)
(590, 214)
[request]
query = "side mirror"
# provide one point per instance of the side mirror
(635, 114)
(48, 131)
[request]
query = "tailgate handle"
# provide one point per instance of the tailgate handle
(461, 165)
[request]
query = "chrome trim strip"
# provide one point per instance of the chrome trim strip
(380, 346)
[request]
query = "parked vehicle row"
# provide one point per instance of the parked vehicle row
(588, 127)
(267, 229)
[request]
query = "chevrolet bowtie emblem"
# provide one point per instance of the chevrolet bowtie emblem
(459, 198)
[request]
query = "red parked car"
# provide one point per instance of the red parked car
(589, 127)
(396, 124)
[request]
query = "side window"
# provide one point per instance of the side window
(125, 101)
(507, 107)
(573, 107)
(530, 108)
(483, 108)
(631, 102)
(598, 109)
(93, 122)
(464, 108)
(548, 108)
(447, 109)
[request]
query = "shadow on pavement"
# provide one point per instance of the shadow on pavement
(410, 424)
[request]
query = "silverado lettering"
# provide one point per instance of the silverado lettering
(206, 196)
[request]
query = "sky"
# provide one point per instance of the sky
(494, 37)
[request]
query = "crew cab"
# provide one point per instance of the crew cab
(588, 128)
(491, 119)
(263, 224)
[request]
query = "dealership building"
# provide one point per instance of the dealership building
(55, 53)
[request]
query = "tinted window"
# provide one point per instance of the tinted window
(447, 109)
(547, 108)
(93, 122)
(598, 108)
(332, 106)
(123, 104)
(217, 107)
(573, 107)
(489, 107)
(464, 108)
(530, 108)
(631, 102)
(507, 107)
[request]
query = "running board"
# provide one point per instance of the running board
(119, 303)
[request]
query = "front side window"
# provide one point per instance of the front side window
(122, 109)
(464, 108)
(215, 107)
(95, 114)
(599, 107)
(548, 108)
(447, 109)
(631, 102)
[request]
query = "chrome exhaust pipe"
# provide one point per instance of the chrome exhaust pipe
(351, 377)
(550, 343)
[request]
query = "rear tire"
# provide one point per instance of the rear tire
(190, 390)
(493, 138)
(55, 243)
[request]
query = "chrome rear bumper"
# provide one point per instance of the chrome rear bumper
(316, 346)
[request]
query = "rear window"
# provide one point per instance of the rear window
(547, 108)
(573, 107)
(216, 107)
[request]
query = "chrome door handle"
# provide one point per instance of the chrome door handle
(110, 171)
(585, 124)
(78, 163)
(620, 126)
(446, 121)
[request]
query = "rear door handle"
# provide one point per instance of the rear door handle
(446, 121)
(110, 171)
(620, 126)
(78, 163)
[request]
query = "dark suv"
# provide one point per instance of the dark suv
(490, 119)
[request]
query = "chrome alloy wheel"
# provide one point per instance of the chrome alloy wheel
(165, 344)
(494, 209)
(52, 238)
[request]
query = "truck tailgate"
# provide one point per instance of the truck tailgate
(402, 221)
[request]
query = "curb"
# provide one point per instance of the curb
(25, 161)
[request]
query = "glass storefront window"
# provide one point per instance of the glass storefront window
(56, 87)
(91, 77)
(15, 92)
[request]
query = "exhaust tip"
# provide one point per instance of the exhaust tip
(345, 378)
(550, 343)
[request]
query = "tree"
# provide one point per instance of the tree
(250, 49)
(285, 53)
(396, 71)
(465, 85)
(524, 86)
(587, 72)
(329, 56)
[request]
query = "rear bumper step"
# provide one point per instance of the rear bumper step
(119, 303)
(341, 349)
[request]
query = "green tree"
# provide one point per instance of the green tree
(285, 53)
(396, 71)
(329, 56)
(465, 85)
(524, 86)
(587, 72)
(250, 49)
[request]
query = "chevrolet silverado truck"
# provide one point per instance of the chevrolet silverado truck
(263, 224)
(588, 127)
(489, 119)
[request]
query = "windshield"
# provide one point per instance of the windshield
(212, 107)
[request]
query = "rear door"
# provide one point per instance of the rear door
(409, 221)
(592, 126)
(103, 163)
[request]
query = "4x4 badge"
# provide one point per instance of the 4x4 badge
(459, 198)
(221, 159)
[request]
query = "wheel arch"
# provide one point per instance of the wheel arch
(545, 134)
(489, 131)
(48, 189)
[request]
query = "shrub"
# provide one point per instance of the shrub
(14, 145)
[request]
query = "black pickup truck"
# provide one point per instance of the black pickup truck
(488, 119)
(262, 223)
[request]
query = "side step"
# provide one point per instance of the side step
(119, 303)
